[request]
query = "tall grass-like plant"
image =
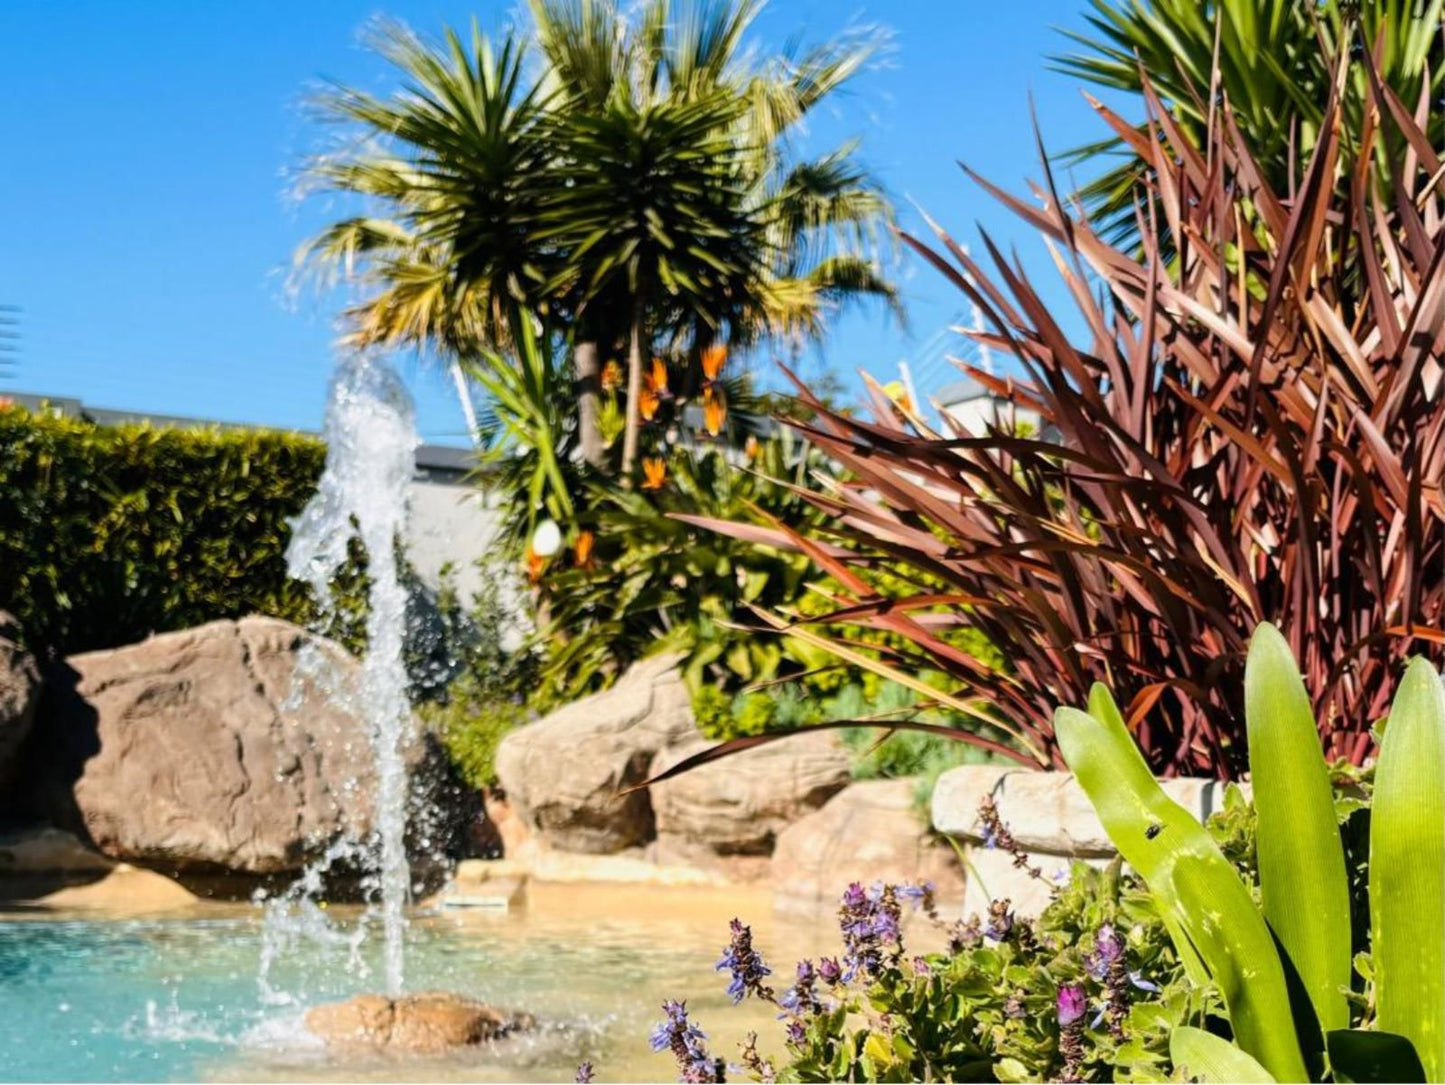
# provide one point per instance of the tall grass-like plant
(1302, 928)
(1248, 429)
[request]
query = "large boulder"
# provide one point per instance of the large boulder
(871, 831)
(738, 806)
(422, 1024)
(19, 693)
(233, 746)
(565, 774)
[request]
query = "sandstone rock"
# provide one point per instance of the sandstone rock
(1045, 811)
(870, 831)
(19, 692)
(740, 805)
(413, 1024)
(126, 890)
(564, 773)
(208, 750)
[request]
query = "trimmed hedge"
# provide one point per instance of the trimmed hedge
(111, 533)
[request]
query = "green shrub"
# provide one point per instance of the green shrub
(110, 533)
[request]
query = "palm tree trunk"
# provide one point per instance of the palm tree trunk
(589, 385)
(634, 394)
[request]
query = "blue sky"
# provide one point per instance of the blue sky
(148, 225)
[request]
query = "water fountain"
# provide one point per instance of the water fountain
(371, 440)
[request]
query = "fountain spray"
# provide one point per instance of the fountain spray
(371, 442)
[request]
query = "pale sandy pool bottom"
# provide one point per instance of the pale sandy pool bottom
(176, 997)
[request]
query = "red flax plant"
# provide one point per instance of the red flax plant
(1250, 429)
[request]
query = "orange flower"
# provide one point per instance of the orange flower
(657, 379)
(648, 403)
(611, 376)
(584, 549)
(654, 471)
(713, 360)
(714, 411)
(752, 449)
(536, 565)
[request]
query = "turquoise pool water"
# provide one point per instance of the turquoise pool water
(178, 998)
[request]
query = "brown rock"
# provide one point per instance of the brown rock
(870, 831)
(208, 750)
(19, 693)
(564, 774)
(740, 805)
(416, 1024)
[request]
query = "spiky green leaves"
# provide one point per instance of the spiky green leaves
(1305, 894)
(1211, 914)
(1407, 868)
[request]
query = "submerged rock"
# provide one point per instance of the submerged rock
(209, 750)
(413, 1024)
(19, 692)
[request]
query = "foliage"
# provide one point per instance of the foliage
(647, 579)
(111, 533)
(1272, 72)
(1227, 447)
(639, 186)
(1091, 990)
(1301, 926)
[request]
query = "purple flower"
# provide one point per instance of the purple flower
(1107, 952)
(685, 1040)
(584, 1073)
(745, 964)
(797, 1032)
(921, 967)
(1144, 985)
(830, 971)
(1071, 1004)
(1000, 921)
(870, 922)
(800, 999)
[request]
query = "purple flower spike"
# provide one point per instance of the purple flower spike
(830, 971)
(1108, 951)
(745, 964)
(1071, 1004)
(584, 1073)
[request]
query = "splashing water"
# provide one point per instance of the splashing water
(371, 443)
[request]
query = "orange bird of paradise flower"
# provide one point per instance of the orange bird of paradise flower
(536, 565)
(583, 549)
(713, 360)
(654, 387)
(654, 472)
(611, 376)
(714, 411)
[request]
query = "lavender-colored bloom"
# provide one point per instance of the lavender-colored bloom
(584, 1073)
(1071, 1004)
(1107, 952)
(797, 1032)
(1000, 921)
(1144, 985)
(921, 967)
(830, 971)
(745, 964)
(870, 922)
(685, 1040)
(800, 999)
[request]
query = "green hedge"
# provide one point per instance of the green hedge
(110, 533)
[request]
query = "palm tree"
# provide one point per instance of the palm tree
(686, 201)
(1272, 71)
(456, 159)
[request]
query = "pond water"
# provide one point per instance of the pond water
(177, 997)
